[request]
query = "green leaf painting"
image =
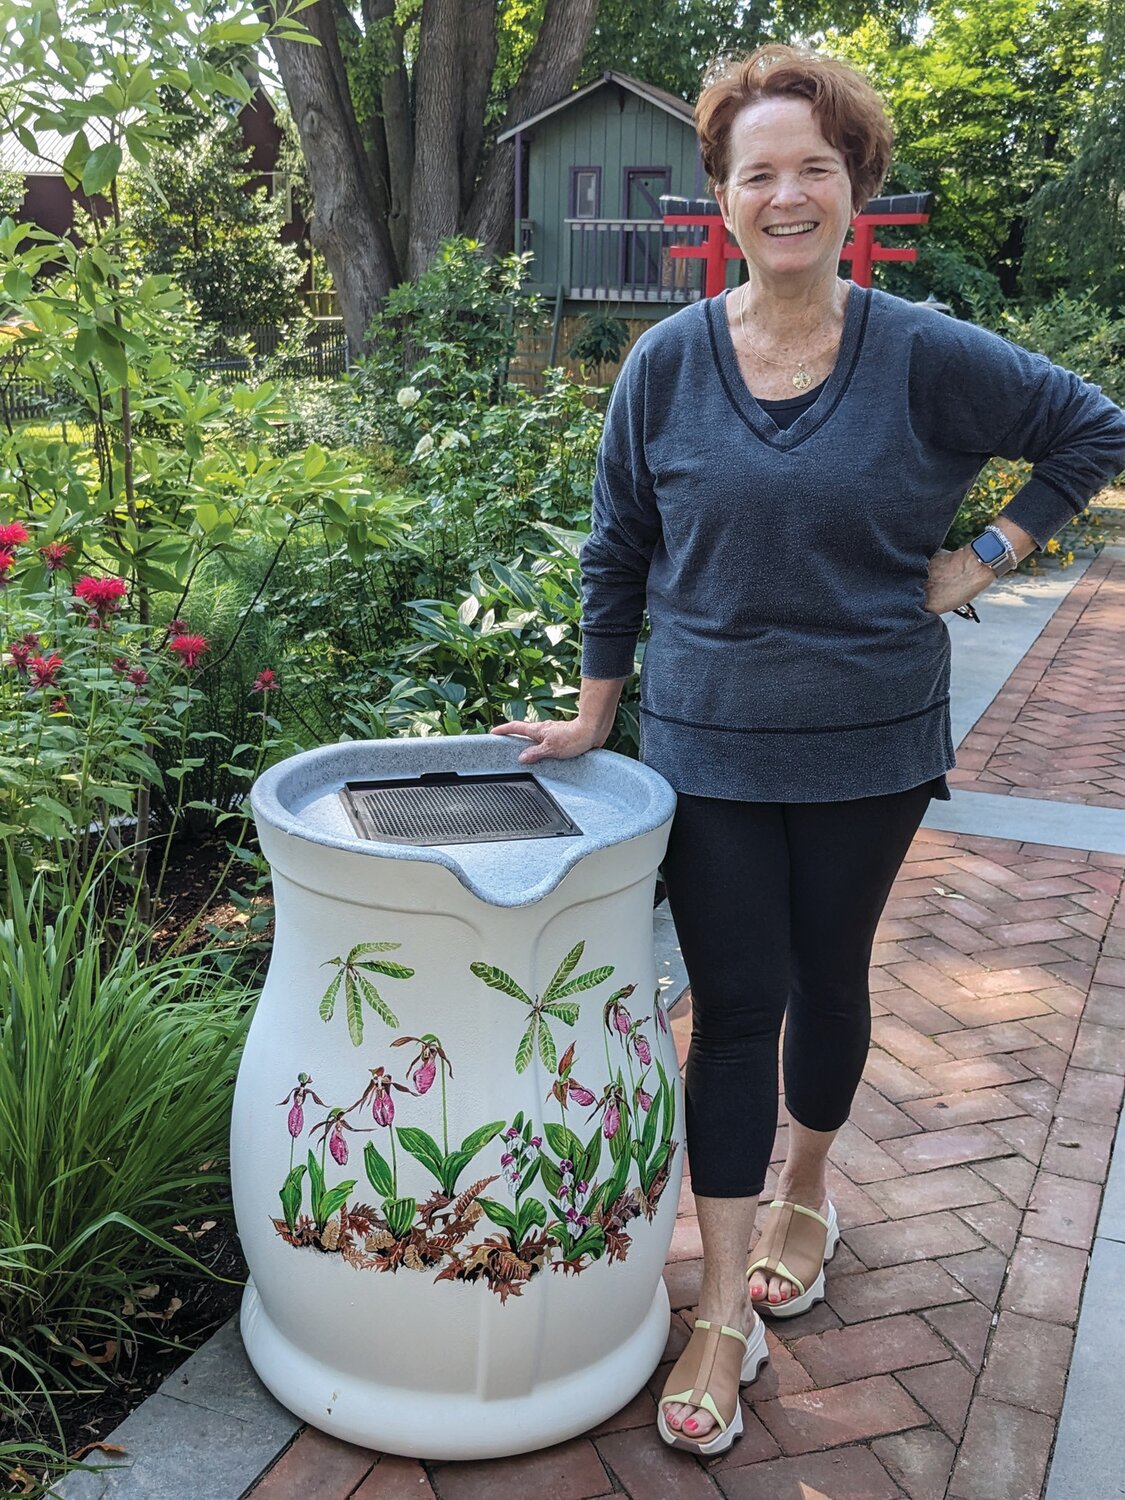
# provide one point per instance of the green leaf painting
(353, 977)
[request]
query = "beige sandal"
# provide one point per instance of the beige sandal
(707, 1374)
(796, 1244)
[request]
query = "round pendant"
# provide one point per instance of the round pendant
(802, 380)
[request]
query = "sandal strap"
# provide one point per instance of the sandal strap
(708, 1372)
(792, 1244)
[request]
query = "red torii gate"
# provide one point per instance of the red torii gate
(863, 249)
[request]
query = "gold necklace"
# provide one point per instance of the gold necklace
(801, 379)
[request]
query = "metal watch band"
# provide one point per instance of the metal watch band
(1009, 550)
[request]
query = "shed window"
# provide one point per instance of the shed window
(585, 192)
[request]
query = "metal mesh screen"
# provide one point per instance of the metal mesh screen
(447, 808)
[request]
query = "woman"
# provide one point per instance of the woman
(779, 468)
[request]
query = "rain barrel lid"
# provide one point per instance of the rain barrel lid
(600, 799)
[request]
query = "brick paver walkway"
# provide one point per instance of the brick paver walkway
(1057, 728)
(967, 1184)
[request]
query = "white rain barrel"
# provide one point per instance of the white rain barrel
(457, 1139)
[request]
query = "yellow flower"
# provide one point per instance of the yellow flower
(1052, 545)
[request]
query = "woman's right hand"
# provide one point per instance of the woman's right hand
(553, 739)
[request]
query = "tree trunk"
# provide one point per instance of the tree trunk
(435, 198)
(478, 58)
(346, 224)
(397, 127)
(547, 77)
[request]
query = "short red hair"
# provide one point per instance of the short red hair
(849, 112)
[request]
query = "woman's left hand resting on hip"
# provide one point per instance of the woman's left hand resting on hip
(957, 577)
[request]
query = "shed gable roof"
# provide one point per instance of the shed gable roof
(669, 103)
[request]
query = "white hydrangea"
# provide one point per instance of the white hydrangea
(408, 396)
(424, 445)
(455, 439)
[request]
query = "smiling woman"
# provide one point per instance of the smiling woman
(779, 468)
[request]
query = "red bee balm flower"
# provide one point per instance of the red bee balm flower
(102, 595)
(265, 682)
(189, 648)
(44, 670)
(13, 534)
(55, 554)
(7, 563)
(20, 654)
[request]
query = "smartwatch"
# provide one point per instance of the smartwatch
(994, 549)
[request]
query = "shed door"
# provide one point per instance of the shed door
(643, 187)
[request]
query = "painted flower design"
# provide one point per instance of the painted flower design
(639, 1043)
(617, 1018)
(379, 1094)
(565, 1088)
(296, 1098)
(423, 1068)
(610, 1105)
(332, 1128)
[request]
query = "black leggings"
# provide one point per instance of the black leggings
(776, 906)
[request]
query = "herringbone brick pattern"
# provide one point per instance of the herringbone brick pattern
(1057, 728)
(967, 1185)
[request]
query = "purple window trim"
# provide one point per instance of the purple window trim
(665, 172)
(573, 192)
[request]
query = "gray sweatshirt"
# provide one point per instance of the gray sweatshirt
(791, 656)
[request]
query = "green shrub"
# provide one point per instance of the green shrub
(115, 1087)
(1075, 332)
(508, 648)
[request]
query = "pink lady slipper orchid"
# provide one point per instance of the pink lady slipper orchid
(378, 1091)
(611, 1102)
(644, 1099)
(295, 1098)
(640, 1043)
(616, 1017)
(333, 1126)
(338, 1146)
(579, 1094)
(661, 1018)
(423, 1069)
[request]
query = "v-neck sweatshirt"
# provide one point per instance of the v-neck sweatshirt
(791, 656)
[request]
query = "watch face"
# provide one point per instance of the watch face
(989, 548)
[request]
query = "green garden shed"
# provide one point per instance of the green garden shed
(590, 172)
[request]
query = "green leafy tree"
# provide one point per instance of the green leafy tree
(196, 220)
(1076, 236)
(670, 42)
(982, 97)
